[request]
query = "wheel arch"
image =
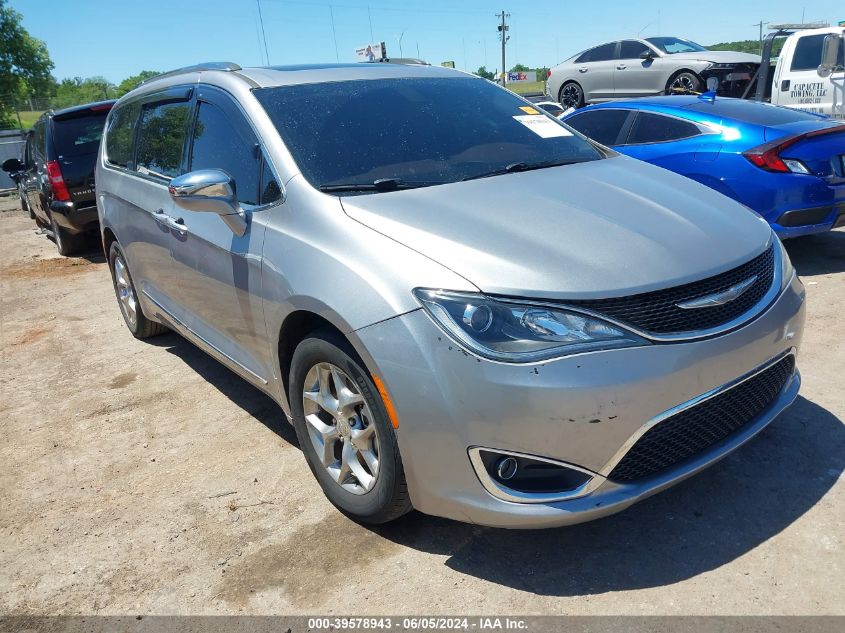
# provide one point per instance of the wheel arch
(565, 83)
(685, 69)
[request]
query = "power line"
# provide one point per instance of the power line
(334, 35)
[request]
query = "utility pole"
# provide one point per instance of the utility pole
(503, 35)
(760, 24)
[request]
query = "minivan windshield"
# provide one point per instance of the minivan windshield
(673, 45)
(78, 135)
(374, 135)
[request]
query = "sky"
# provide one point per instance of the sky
(119, 38)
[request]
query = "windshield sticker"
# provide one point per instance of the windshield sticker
(542, 125)
(529, 110)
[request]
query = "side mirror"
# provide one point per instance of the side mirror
(12, 165)
(830, 52)
(212, 191)
(649, 54)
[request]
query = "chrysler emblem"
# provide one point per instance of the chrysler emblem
(718, 298)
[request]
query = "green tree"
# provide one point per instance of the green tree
(25, 64)
(519, 68)
(486, 74)
(130, 82)
(74, 91)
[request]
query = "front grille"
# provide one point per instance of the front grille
(657, 312)
(696, 429)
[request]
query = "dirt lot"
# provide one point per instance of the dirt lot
(146, 478)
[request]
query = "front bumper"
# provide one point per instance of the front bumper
(74, 219)
(579, 410)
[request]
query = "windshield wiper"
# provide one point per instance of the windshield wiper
(382, 184)
(517, 167)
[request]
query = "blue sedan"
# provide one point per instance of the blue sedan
(787, 165)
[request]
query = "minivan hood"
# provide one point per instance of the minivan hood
(599, 229)
(720, 57)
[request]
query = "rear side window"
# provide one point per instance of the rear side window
(161, 137)
(655, 128)
(808, 53)
(602, 126)
(601, 53)
(120, 136)
(218, 144)
(78, 135)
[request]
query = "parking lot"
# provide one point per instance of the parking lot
(143, 477)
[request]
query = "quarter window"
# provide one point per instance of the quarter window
(218, 144)
(602, 126)
(270, 189)
(120, 135)
(655, 128)
(162, 132)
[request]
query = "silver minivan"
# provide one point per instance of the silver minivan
(462, 305)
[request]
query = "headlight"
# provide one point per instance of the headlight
(786, 269)
(519, 333)
(715, 66)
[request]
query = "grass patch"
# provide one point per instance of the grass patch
(29, 117)
(528, 87)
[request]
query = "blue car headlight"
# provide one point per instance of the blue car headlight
(515, 332)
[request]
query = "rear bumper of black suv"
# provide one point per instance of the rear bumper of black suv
(74, 219)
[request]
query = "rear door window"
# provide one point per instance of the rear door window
(602, 126)
(161, 138)
(601, 53)
(78, 135)
(655, 128)
(221, 143)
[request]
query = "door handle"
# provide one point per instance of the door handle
(583, 70)
(160, 216)
(177, 224)
(621, 67)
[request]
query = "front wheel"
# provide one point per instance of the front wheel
(684, 83)
(344, 431)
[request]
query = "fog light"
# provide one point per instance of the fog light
(528, 478)
(506, 468)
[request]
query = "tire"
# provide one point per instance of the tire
(24, 205)
(571, 95)
(66, 243)
(684, 82)
(124, 289)
(347, 478)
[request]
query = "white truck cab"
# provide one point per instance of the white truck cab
(810, 72)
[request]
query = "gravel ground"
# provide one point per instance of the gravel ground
(146, 478)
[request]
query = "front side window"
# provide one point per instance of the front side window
(161, 136)
(632, 49)
(418, 131)
(218, 144)
(120, 136)
(603, 126)
(655, 128)
(808, 53)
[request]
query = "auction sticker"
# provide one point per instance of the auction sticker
(542, 125)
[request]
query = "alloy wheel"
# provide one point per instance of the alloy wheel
(341, 428)
(571, 96)
(684, 84)
(125, 292)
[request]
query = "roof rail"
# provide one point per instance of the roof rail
(798, 26)
(225, 66)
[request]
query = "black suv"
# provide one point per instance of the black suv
(56, 175)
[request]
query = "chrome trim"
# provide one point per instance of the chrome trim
(775, 290)
(165, 314)
(515, 496)
(629, 443)
(719, 298)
